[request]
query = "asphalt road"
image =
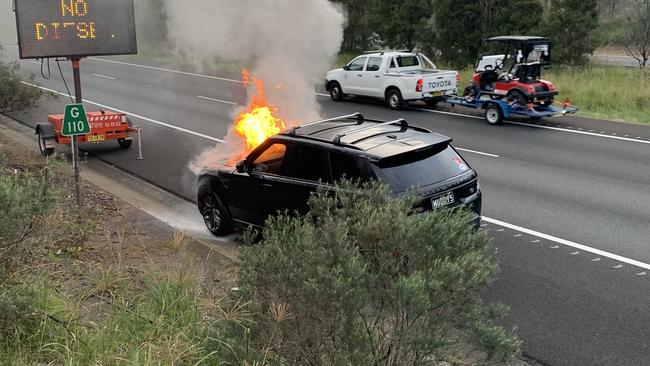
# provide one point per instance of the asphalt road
(567, 200)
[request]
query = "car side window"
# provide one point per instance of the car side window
(270, 161)
(309, 163)
(374, 64)
(344, 166)
(357, 65)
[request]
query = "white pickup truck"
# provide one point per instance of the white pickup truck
(396, 77)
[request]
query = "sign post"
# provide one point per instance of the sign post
(75, 123)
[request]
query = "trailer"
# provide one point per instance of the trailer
(104, 126)
(496, 110)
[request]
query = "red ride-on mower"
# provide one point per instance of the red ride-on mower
(515, 74)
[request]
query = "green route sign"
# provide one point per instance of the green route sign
(75, 121)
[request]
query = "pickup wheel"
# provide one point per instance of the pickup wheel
(493, 114)
(394, 99)
(336, 93)
(213, 211)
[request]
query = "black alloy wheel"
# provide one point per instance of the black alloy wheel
(213, 212)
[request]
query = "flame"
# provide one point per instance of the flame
(257, 122)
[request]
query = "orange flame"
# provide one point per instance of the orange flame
(257, 122)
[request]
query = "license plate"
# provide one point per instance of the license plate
(95, 138)
(436, 94)
(444, 200)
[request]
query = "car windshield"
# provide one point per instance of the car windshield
(421, 168)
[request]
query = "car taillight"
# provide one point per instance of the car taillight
(457, 77)
(418, 86)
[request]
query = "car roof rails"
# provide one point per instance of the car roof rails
(401, 122)
(358, 116)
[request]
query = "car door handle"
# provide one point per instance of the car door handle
(359, 75)
(376, 76)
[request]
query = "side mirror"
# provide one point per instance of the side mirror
(346, 68)
(242, 166)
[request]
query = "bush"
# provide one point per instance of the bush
(14, 95)
(25, 200)
(360, 281)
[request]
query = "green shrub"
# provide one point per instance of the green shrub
(26, 198)
(14, 95)
(360, 281)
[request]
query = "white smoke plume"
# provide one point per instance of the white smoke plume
(290, 42)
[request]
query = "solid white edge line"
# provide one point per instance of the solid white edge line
(568, 243)
(104, 76)
(419, 109)
(216, 100)
(167, 70)
(190, 132)
(477, 152)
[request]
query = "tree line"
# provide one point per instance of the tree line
(456, 31)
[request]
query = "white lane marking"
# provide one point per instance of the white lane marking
(618, 266)
(596, 260)
(327, 95)
(104, 76)
(582, 247)
(477, 152)
(166, 70)
(554, 247)
(581, 132)
(574, 253)
(535, 241)
(132, 114)
(216, 100)
(517, 235)
(641, 274)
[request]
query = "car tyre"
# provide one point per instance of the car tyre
(394, 99)
(213, 212)
(336, 93)
(493, 114)
(124, 143)
(45, 151)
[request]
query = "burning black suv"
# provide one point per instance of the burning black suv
(282, 172)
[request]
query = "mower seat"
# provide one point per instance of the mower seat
(487, 79)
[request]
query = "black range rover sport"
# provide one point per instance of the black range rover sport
(282, 172)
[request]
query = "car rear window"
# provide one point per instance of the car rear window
(407, 61)
(421, 168)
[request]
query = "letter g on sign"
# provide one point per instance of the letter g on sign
(74, 112)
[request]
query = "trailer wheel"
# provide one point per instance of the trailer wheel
(124, 143)
(493, 114)
(45, 151)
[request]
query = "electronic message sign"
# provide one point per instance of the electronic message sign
(75, 28)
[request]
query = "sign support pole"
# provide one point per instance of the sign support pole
(75, 146)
